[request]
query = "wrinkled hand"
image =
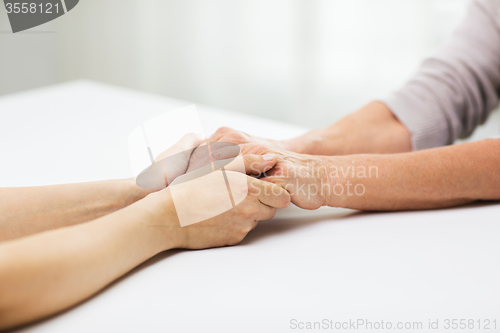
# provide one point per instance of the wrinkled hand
(216, 152)
(227, 134)
(305, 177)
(224, 145)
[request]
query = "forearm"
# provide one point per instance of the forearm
(433, 178)
(48, 272)
(28, 210)
(371, 130)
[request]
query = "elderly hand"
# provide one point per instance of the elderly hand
(307, 178)
(224, 145)
(224, 152)
(227, 134)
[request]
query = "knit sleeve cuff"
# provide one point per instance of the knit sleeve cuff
(427, 126)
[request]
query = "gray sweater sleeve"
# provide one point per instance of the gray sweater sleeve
(455, 90)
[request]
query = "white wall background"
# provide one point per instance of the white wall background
(303, 61)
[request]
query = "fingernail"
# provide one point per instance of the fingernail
(268, 157)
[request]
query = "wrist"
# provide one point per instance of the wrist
(324, 141)
(162, 219)
(305, 144)
(288, 145)
(372, 129)
(134, 192)
(337, 184)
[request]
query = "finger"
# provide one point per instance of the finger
(264, 212)
(252, 164)
(214, 137)
(223, 150)
(219, 133)
(258, 164)
(185, 145)
(217, 153)
(282, 182)
(174, 158)
(191, 140)
(255, 149)
(269, 194)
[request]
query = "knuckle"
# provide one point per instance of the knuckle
(273, 180)
(223, 130)
(233, 136)
(251, 161)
